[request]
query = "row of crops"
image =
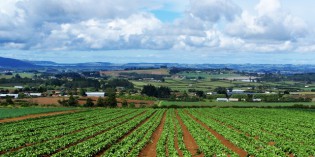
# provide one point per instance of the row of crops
(128, 132)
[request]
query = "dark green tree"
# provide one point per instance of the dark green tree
(124, 103)
(72, 101)
(200, 94)
(110, 100)
(89, 103)
(9, 100)
(82, 92)
(149, 90)
(100, 102)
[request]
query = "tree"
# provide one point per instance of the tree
(82, 92)
(110, 100)
(163, 92)
(220, 90)
(149, 90)
(72, 101)
(200, 94)
(124, 103)
(100, 102)
(89, 103)
(8, 100)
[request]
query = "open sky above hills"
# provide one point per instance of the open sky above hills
(183, 31)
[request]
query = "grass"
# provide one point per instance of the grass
(23, 75)
(17, 112)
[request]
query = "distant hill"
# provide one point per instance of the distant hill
(15, 63)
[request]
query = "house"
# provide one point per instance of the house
(35, 94)
(18, 87)
(237, 91)
(95, 94)
(15, 96)
(212, 93)
(222, 100)
(233, 100)
(257, 100)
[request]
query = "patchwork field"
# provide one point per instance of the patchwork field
(151, 71)
(159, 132)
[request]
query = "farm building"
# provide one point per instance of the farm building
(15, 96)
(233, 100)
(35, 94)
(257, 100)
(18, 87)
(222, 99)
(95, 94)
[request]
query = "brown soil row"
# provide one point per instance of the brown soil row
(35, 116)
(150, 149)
(189, 140)
(92, 136)
(223, 140)
(101, 152)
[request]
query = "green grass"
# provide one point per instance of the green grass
(17, 112)
(27, 75)
(241, 104)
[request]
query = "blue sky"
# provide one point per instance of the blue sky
(183, 31)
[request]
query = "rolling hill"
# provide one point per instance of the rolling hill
(15, 63)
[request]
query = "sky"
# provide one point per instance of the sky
(173, 31)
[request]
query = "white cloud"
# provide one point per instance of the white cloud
(101, 34)
(270, 23)
(214, 10)
(206, 25)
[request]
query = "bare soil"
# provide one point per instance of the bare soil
(189, 140)
(223, 140)
(150, 149)
(35, 116)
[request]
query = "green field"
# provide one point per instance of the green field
(160, 132)
(209, 85)
(16, 112)
(23, 75)
(237, 104)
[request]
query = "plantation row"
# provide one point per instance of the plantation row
(159, 132)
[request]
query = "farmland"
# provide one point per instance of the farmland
(16, 112)
(161, 132)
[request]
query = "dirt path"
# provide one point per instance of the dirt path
(35, 116)
(189, 140)
(223, 140)
(150, 149)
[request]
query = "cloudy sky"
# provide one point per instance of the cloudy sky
(183, 31)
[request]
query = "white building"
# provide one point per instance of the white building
(9, 95)
(18, 87)
(35, 94)
(237, 91)
(95, 94)
(233, 100)
(222, 99)
(257, 100)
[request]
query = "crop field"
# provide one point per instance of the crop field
(160, 132)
